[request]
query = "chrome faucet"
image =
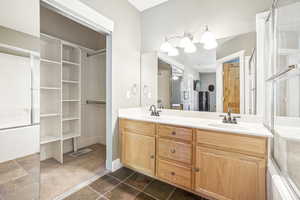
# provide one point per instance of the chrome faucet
(154, 111)
(229, 119)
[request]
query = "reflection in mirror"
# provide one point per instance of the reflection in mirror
(216, 80)
(169, 86)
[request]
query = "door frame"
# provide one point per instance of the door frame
(219, 80)
(86, 16)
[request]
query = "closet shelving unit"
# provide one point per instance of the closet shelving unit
(60, 96)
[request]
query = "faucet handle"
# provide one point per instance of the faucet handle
(224, 118)
(234, 119)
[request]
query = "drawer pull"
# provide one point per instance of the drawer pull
(173, 133)
(152, 156)
(173, 173)
(173, 151)
(197, 169)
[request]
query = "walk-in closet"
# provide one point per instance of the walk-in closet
(72, 103)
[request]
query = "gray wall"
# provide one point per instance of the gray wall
(207, 79)
(59, 26)
(126, 46)
(241, 42)
(224, 18)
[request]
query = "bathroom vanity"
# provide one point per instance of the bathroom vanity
(201, 156)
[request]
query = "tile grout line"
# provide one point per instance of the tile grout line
(120, 182)
(141, 191)
(170, 195)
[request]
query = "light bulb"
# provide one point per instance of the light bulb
(191, 48)
(207, 37)
(184, 42)
(166, 47)
(173, 52)
(175, 78)
(210, 45)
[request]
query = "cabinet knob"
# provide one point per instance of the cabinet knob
(173, 133)
(173, 173)
(152, 156)
(197, 169)
(173, 151)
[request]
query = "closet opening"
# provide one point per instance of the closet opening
(72, 103)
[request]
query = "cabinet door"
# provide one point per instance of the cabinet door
(138, 152)
(226, 175)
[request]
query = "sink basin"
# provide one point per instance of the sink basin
(229, 126)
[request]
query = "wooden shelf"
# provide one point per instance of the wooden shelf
(49, 115)
(60, 75)
(70, 135)
(71, 100)
(70, 82)
(50, 61)
(70, 119)
(49, 88)
(70, 63)
(49, 139)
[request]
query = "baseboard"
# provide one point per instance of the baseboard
(116, 164)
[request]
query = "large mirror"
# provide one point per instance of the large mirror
(219, 79)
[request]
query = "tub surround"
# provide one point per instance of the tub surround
(247, 125)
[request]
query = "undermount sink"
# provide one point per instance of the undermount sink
(230, 126)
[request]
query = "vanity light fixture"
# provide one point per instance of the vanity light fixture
(166, 46)
(173, 52)
(175, 77)
(208, 39)
(186, 43)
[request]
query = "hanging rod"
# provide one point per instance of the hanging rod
(279, 74)
(96, 53)
(95, 102)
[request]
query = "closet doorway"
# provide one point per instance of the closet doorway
(72, 103)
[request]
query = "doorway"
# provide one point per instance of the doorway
(231, 86)
(75, 102)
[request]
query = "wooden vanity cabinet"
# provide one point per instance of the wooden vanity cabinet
(138, 145)
(216, 165)
(230, 166)
(229, 176)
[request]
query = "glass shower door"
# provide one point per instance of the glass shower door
(287, 92)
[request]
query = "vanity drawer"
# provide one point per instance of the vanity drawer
(138, 127)
(234, 142)
(176, 151)
(175, 132)
(174, 174)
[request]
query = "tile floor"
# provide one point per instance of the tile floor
(57, 179)
(126, 184)
(20, 178)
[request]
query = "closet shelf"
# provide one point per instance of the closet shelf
(70, 119)
(70, 82)
(71, 100)
(50, 61)
(70, 63)
(69, 135)
(49, 88)
(49, 115)
(49, 139)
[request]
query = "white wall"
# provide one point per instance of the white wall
(93, 88)
(21, 15)
(22, 20)
(224, 18)
(126, 43)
